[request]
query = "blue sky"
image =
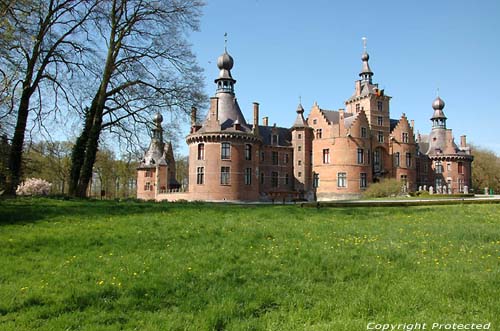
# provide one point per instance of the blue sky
(284, 50)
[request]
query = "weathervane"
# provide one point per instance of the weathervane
(225, 41)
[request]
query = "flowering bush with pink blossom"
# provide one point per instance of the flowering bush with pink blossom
(34, 186)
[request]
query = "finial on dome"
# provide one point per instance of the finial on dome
(225, 41)
(364, 43)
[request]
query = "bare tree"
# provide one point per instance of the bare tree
(147, 67)
(42, 47)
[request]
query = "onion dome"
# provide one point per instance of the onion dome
(157, 118)
(225, 61)
(438, 118)
(438, 104)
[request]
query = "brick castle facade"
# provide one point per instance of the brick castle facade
(328, 155)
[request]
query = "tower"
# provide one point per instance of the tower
(156, 170)
(223, 151)
(302, 136)
(373, 101)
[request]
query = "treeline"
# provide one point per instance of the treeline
(485, 170)
(112, 177)
(108, 65)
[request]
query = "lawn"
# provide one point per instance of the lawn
(102, 265)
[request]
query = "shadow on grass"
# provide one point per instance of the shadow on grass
(27, 210)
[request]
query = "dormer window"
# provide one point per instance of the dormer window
(405, 137)
(275, 139)
(358, 107)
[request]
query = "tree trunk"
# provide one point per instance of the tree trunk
(16, 149)
(78, 152)
(90, 155)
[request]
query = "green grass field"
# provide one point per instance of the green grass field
(83, 265)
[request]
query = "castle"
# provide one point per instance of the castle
(328, 155)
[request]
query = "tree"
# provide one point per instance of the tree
(485, 170)
(41, 45)
(50, 161)
(147, 67)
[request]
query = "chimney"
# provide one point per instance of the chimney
(463, 141)
(255, 117)
(193, 116)
(214, 109)
(265, 121)
(412, 123)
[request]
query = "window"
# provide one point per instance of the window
(201, 151)
(439, 183)
(448, 167)
(361, 156)
(274, 179)
(275, 139)
(315, 121)
(460, 167)
(326, 156)
(439, 167)
(426, 167)
(319, 133)
(358, 107)
(200, 174)
(362, 180)
(377, 160)
(396, 159)
(342, 179)
(286, 158)
(299, 148)
(380, 120)
(248, 176)
(225, 152)
(148, 173)
(404, 137)
(275, 158)
(408, 160)
(224, 175)
(262, 178)
(316, 180)
(299, 174)
(380, 137)
(299, 162)
(287, 178)
(148, 187)
(299, 136)
(379, 105)
(262, 156)
(248, 152)
(363, 132)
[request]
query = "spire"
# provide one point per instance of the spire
(225, 82)
(300, 121)
(366, 73)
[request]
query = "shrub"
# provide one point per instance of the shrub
(34, 186)
(384, 188)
